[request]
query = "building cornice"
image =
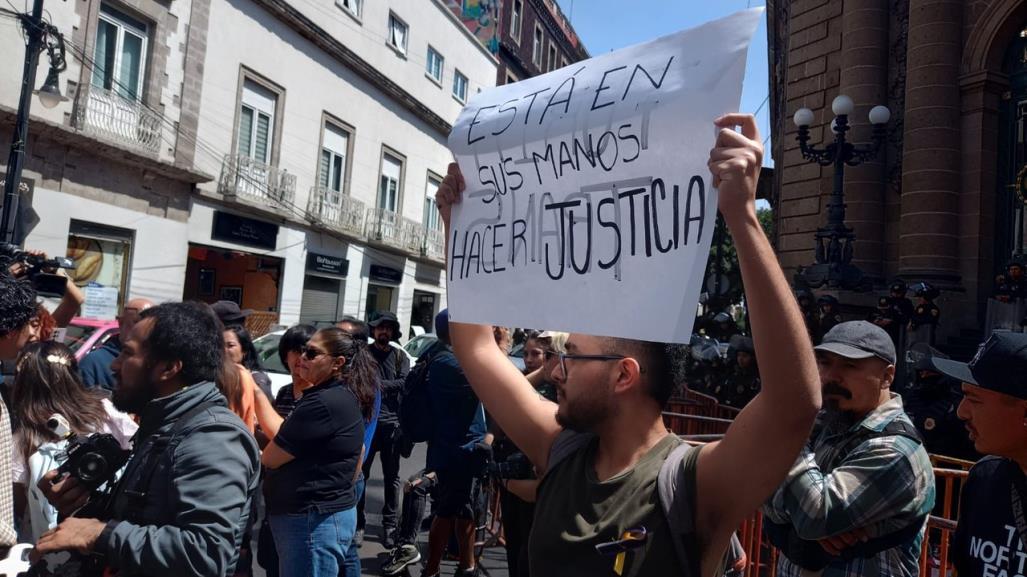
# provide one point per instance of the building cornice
(306, 28)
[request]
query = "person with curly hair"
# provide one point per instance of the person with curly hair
(17, 309)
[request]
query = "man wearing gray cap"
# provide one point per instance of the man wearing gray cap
(857, 499)
(991, 538)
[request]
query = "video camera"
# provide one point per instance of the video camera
(46, 284)
(516, 466)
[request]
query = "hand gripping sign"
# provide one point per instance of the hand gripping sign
(589, 205)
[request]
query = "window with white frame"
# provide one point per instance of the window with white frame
(459, 86)
(431, 210)
(332, 168)
(552, 55)
(563, 62)
(388, 190)
(516, 17)
(398, 33)
(256, 122)
(120, 53)
(434, 65)
(536, 47)
(510, 77)
(354, 7)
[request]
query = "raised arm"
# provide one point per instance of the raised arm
(766, 437)
(526, 417)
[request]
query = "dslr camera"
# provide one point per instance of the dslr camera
(516, 466)
(92, 460)
(46, 284)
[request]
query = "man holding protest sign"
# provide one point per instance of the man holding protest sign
(603, 446)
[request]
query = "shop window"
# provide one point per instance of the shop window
(102, 257)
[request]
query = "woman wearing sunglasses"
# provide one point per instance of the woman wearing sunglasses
(314, 456)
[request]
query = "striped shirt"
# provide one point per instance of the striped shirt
(882, 486)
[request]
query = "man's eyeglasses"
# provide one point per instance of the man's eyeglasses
(310, 353)
(550, 354)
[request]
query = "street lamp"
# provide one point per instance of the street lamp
(833, 266)
(39, 36)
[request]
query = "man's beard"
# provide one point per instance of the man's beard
(833, 413)
(583, 415)
(133, 400)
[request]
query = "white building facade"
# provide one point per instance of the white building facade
(281, 154)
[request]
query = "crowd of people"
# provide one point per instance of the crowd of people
(164, 452)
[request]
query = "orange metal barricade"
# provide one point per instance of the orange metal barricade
(696, 420)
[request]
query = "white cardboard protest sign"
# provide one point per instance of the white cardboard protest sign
(589, 205)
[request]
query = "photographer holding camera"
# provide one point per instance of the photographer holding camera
(181, 505)
(47, 277)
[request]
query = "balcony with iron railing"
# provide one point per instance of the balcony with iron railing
(434, 246)
(336, 211)
(388, 228)
(247, 180)
(108, 116)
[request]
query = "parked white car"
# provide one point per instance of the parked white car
(267, 351)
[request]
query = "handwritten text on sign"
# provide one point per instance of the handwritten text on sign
(588, 205)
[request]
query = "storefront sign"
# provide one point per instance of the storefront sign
(385, 274)
(239, 229)
(327, 264)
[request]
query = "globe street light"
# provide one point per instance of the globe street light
(833, 266)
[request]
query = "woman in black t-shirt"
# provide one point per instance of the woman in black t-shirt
(314, 457)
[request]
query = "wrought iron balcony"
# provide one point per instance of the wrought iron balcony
(389, 228)
(336, 211)
(109, 116)
(434, 244)
(258, 183)
(384, 226)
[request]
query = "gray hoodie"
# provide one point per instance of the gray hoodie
(198, 498)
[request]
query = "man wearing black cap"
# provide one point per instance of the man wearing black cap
(991, 538)
(230, 314)
(857, 499)
(393, 366)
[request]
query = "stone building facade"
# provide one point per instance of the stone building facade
(534, 38)
(940, 203)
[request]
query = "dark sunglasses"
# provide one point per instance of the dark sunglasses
(310, 353)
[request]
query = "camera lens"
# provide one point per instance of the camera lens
(92, 468)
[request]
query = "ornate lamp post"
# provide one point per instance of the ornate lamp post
(833, 266)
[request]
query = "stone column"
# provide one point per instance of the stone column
(864, 78)
(929, 227)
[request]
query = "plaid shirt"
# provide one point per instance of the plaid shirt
(7, 535)
(882, 486)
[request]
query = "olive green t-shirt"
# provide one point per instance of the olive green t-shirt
(575, 511)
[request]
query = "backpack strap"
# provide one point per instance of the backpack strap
(676, 486)
(566, 444)
(896, 428)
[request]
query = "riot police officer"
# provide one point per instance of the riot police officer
(902, 305)
(828, 318)
(888, 317)
(931, 402)
(742, 381)
(924, 322)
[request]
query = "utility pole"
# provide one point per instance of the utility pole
(35, 33)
